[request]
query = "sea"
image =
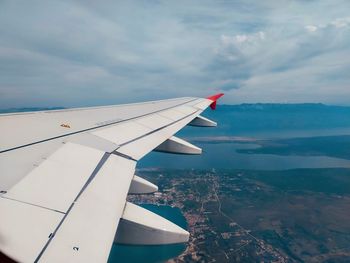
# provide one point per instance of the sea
(217, 155)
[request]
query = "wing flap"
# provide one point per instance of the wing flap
(154, 121)
(172, 114)
(17, 164)
(122, 133)
(126, 132)
(185, 109)
(143, 145)
(55, 183)
(86, 234)
(25, 229)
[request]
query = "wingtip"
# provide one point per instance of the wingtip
(214, 98)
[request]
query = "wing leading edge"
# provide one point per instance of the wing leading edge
(67, 194)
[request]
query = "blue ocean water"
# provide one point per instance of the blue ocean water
(224, 155)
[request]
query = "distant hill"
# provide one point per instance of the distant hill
(276, 117)
(13, 110)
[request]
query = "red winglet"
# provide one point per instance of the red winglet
(214, 98)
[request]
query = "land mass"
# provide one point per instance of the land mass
(272, 216)
(333, 146)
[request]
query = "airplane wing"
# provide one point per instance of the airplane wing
(65, 176)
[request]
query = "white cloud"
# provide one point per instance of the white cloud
(311, 28)
(341, 22)
(241, 39)
(75, 53)
(336, 23)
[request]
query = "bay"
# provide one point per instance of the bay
(224, 155)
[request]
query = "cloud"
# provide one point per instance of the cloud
(77, 53)
(341, 22)
(336, 23)
(241, 39)
(311, 28)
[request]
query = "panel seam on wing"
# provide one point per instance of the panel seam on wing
(156, 130)
(28, 203)
(90, 179)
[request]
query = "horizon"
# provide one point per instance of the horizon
(48, 108)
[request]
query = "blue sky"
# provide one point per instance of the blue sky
(79, 53)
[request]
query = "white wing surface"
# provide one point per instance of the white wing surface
(65, 176)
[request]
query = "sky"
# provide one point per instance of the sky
(82, 53)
